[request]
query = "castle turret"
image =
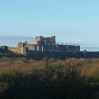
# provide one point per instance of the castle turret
(20, 44)
(40, 40)
(53, 40)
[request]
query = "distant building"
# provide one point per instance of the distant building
(43, 44)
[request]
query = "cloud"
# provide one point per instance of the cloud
(10, 38)
(13, 40)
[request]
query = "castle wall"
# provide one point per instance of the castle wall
(24, 51)
(43, 44)
(72, 48)
(30, 46)
(53, 40)
(78, 48)
(38, 47)
(15, 49)
(60, 48)
(5, 47)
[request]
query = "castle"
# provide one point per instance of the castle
(43, 44)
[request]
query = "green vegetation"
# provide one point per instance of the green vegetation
(22, 78)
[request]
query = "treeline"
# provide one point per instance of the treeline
(50, 82)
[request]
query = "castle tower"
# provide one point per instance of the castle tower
(20, 44)
(39, 39)
(53, 40)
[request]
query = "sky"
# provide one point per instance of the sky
(71, 21)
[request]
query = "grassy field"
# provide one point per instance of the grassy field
(72, 78)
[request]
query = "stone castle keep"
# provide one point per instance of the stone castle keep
(43, 44)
